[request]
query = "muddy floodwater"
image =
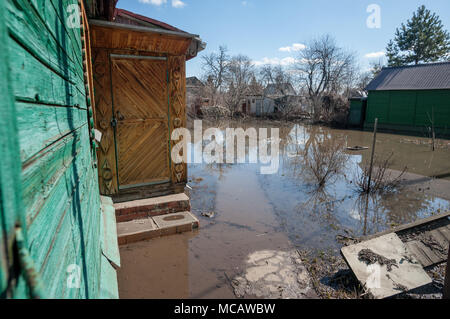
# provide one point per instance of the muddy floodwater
(287, 210)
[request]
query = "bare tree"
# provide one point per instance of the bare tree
(240, 72)
(325, 68)
(215, 67)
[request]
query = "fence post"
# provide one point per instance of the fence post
(373, 153)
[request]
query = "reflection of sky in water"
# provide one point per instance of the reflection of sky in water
(313, 218)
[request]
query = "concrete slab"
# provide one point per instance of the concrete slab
(176, 223)
(152, 201)
(148, 228)
(405, 274)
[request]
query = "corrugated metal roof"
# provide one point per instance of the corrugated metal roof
(415, 77)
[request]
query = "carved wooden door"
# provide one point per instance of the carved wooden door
(140, 106)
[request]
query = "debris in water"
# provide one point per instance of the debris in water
(357, 148)
(209, 215)
(369, 257)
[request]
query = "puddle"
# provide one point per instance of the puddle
(284, 211)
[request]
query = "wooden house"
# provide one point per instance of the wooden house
(140, 98)
(58, 234)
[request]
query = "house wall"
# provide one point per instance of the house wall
(59, 186)
(409, 111)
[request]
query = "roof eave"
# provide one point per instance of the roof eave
(196, 46)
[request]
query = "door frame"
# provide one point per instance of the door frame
(111, 57)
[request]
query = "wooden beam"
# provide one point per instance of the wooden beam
(420, 222)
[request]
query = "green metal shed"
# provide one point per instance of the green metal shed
(411, 99)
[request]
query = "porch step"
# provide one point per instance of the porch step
(145, 208)
(158, 226)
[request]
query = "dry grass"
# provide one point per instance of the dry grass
(382, 179)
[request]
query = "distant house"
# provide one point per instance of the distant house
(279, 90)
(195, 98)
(409, 99)
(275, 98)
(258, 105)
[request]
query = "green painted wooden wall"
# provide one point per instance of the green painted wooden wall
(58, 186)
(410, 111)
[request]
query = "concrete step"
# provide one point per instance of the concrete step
(150, 207)
(158, 226)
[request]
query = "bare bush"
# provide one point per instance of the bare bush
(334, 110)
(381, 180)
(325, 161)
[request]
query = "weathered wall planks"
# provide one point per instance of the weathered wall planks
(59, 176)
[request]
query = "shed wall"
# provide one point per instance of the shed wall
(61, 202)
(410, 111)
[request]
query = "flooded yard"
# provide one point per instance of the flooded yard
(285, 211)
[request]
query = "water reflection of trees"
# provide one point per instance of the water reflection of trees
(320, 205)
(315, 156)
(308, 149)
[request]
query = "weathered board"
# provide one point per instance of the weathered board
(10, 203)
(405, 274)
(59, 185)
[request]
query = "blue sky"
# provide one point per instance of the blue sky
(260, 28)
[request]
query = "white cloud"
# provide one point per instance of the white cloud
(154, 2)
(175, 3)
(244, 3)
(275, 61)
(373, 55)
(293, 48)
(178, 4)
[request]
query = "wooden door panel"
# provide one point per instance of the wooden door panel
(141, 109)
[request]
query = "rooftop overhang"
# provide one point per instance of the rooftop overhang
(112, 35)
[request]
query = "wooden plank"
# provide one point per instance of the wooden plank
(405, 274)
(39, 29)
(439, 237)
(43, 84)
(10, 184)
(110, 247)
(41, 126)
(108, 282)
(38, 177)
(424, 254)
(445, 231)
(106, 153)
(177, 74)
(108, 38)
(417, 223)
